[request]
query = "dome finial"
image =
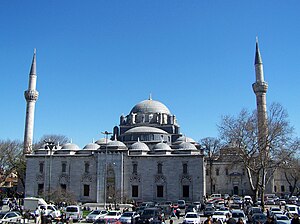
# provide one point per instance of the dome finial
(150, 96)
(258, 59)
(138, 139)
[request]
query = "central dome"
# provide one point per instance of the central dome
(150, 107)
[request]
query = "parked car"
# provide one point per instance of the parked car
(150, 214)
(7, 217)
(94, 215)
(181, 204)
(191, 208)
(191, 218)
(257, 218)
(236, 214)
(208, 211)
(51, 211)
(220, 215)
(290, 210)
(112, 215)
(74, 212)
(281, 219)
(275, 210)
(5, 201)
(129, 217)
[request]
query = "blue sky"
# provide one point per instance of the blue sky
(97, 59)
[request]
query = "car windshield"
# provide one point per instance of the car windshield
(282, 217)
(2, 215)
(219, 213)
(191, 216)
(237, 215)
(96, 212)
(71, 209)
(112, 213)
(127, 214)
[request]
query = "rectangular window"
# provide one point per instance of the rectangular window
(160, 191)
(282, 188)
(41, 167)
(185, 191)
(134, 168)
(40, 189)
(135, 191)
(159, 168)
(63, 187)
(206, 171)
(184, 168)
(275, 188)
(63, 167)
(226, 171)
(86, 167)
(86, 190)
(217, 171)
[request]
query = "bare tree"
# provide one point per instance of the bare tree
(261, 157)
(57, 139)
(291, 169)
(211, 147)
(10, 157)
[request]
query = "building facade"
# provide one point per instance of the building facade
(146, 159)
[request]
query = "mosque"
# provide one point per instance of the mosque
(146, 158)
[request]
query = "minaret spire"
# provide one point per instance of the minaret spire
(31, 96)
(260, 88)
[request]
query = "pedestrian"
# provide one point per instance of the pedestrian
(270, 220)
(37, 216)
(230, 220)
(240, 221)
(177, 213)
(208, 220)
(295, 219)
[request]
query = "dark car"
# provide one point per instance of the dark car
(258, 218)
(150, 215)
(208, 211)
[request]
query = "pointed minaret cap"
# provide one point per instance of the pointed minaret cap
(257, 54)
(33, 64)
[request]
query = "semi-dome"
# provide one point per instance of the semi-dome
(186, 146)
(139, 146)
(116, 144)
(162, 146)
(91, 146)
(145, 129)
(184, 139)
(102, 141)
(150, 107)
(70, 146)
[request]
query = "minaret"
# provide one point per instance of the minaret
(31, 96)
(260, 88)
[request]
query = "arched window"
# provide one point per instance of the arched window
(184, 168)
(159, 168)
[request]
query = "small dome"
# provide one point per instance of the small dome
(139, 146)
(150, 107)
(184, 139)
(116, 144)
(186, 146)
(162, 146)
(70, 146)
(102, 141)
(91, 146)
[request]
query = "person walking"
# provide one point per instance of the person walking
(295, 219)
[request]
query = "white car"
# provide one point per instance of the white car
(129, 217)
(73, 212)
(112, 215)
(281, 219)
(191, 218)
(7, 217)
(50, 210)
(220, 215)
(236, 214)
(96, 214)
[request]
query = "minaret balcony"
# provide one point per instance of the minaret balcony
(31, 95)
(260, 87)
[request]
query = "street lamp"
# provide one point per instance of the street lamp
(106, 133)
(49, 145)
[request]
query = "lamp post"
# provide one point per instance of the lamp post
(106, 133)
(49, 145)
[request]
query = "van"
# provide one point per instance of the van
(73, 212)
(213, 196)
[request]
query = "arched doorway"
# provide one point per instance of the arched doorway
(236, 190)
